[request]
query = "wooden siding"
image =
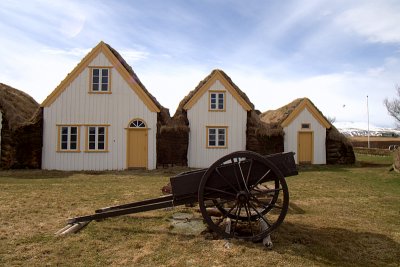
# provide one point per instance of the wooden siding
(319, 134)
(234, 118)
(77, 107)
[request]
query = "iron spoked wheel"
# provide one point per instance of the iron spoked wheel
(243, 195)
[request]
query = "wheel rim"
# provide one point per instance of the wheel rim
(245, 191)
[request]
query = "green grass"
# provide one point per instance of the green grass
(339, 215)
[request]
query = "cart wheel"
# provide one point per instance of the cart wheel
(243, 195)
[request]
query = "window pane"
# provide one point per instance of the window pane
(100, 138)
(212, 131)
(92, 138)
(64, 138)
(104, 79)
(73, 138)
(64, 130)
(64, 146)
(212, 137)
(92, 130)
(221, 142)
(211, 143)
(95, 72)
(104, 72)
(92, 146)
(95, 87)
(74, 130)
(104, 87)
(101, 130)
(100, 146)
(73, 145)
(221, 131)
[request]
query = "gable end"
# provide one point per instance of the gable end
(102, 48)
(310, 107)
(204, 88)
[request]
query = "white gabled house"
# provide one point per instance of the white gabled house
(100, 117)
(217, 114)
(305, 130)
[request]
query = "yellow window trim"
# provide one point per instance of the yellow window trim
(87, 150)
(307, 128)
(226, 137)
(209, 100)
(90, 68)
(78, 139)
(100, 93)
(137, 119)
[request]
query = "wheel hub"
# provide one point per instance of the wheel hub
(242, 197)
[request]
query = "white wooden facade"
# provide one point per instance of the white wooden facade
(307, 121)
(233, 119)
(75, 105)
(318, 134)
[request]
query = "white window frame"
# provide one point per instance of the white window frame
(220, 98)
(69, 142)
(96, 140)
(220, 135)
(100, 83)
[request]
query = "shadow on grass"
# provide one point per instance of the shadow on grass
(54, 174)
(35, 174)
(326, 245)
(336, 246)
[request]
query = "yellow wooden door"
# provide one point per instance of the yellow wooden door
(305, 148)
(137, 148)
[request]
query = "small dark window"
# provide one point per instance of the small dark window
(305, 126)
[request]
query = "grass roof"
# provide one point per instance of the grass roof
(276, 117)
(134, 76)
(16, 106)
(200, 85)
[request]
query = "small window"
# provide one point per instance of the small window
(217, 101)
(305, 126)
(100, 80)
(97, 136)
(68, 138)
(137, 124)
(216, 137)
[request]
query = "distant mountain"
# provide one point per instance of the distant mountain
(361, 129)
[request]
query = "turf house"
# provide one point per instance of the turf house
(100, 117)
(20, 129)
(309, 134)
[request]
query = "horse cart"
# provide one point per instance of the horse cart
(242, 195)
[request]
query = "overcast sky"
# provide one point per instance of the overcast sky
(333, 52)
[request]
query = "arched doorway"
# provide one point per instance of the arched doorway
(137, 144)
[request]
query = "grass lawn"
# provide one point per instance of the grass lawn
(338, 215)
